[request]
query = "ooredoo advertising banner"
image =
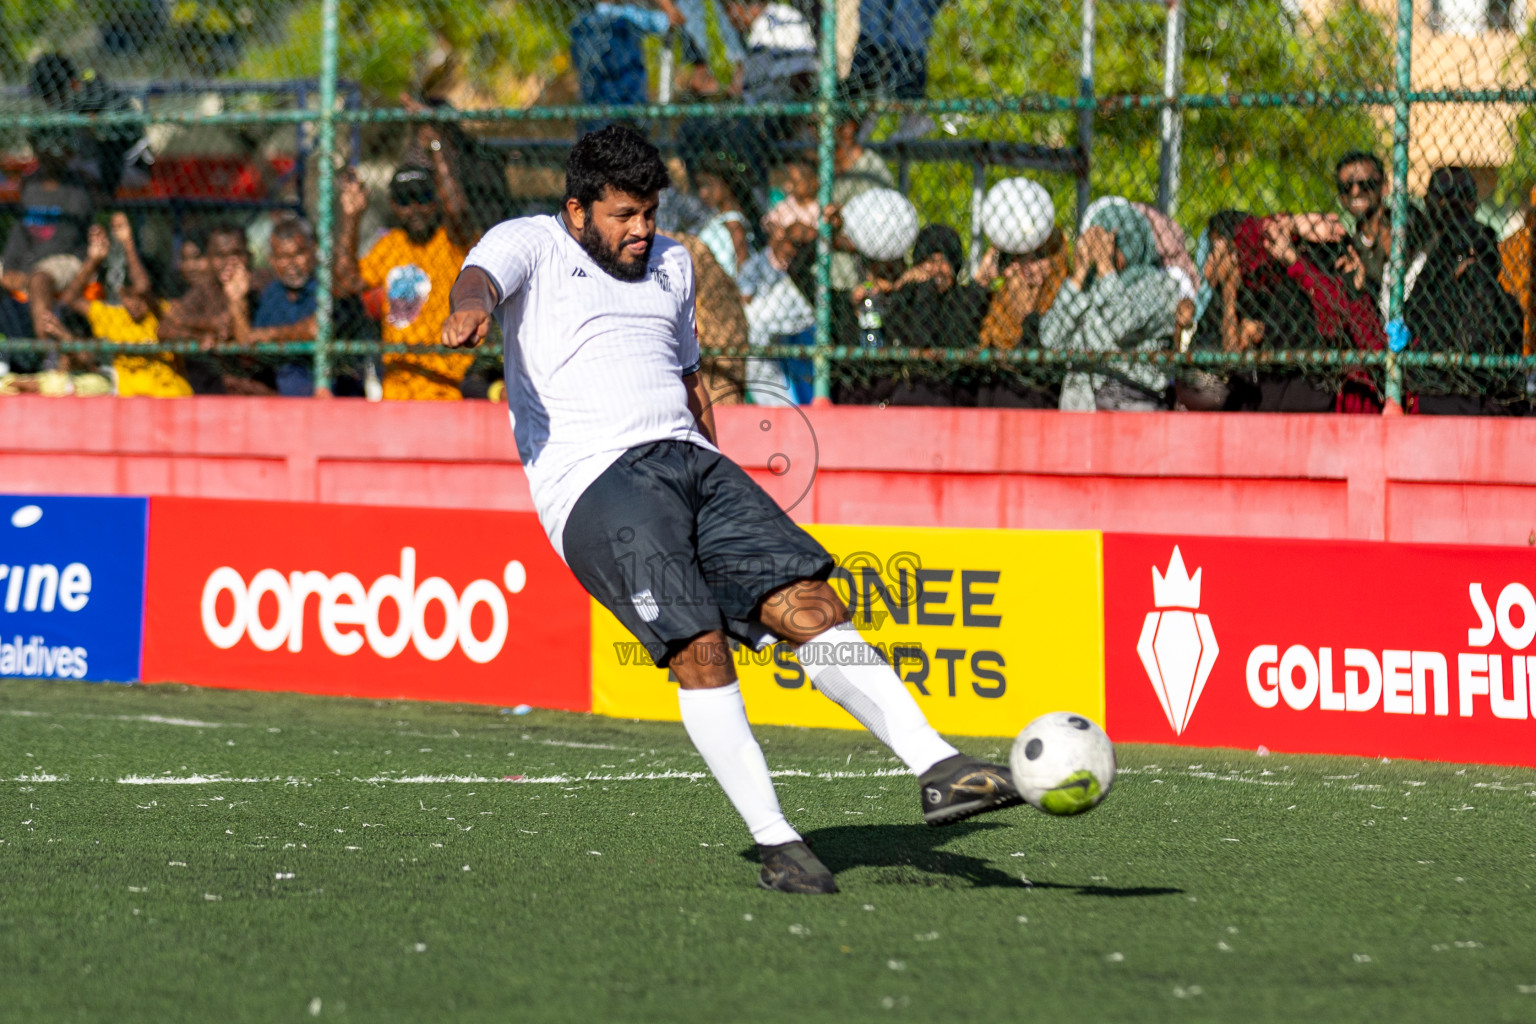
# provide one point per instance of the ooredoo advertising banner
(988, 628)
(426, 604)
(1322, 647)
(71, 587)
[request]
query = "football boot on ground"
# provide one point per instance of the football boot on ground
(962, 786)
(792, 867)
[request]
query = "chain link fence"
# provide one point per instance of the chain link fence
(1314, 205)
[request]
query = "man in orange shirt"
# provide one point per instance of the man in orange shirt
(416, 264)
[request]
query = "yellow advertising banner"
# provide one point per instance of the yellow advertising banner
(988, 628)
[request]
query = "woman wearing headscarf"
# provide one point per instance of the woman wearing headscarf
(1117, 298)
(935, 305)
(1458, 304)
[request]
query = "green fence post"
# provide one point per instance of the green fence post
(826, 129)
(1397, 260)
(325, 152)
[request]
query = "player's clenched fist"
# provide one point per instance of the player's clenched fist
(466, 328)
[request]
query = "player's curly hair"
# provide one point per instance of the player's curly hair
(614, 157)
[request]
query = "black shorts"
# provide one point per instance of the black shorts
(675, 540)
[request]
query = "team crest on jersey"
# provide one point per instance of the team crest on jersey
(660, 277)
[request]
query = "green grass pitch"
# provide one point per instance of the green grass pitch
(170, 854)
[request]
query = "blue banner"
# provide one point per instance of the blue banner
(72, 587)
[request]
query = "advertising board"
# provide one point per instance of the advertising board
(71, 587)
(425, 604)
(1394, 650)
(989, 628)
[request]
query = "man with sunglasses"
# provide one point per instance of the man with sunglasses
(1361, 181)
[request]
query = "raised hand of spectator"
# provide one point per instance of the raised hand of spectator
(986, 270)
(1350, 266)
(353, 197)
(1278, 240)
(121, 230)
(935, 269)
(1318, 227)
(97, 244)
(236, 281)
(1095, 251)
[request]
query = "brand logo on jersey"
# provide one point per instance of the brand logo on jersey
(1177, 647)
(578, 272)
(660, 277)
(645, 605)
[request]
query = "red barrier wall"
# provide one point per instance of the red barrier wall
(1404, 478)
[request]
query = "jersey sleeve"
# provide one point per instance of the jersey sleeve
(687, 329)
(508, 253)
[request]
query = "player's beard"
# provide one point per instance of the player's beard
(610, 259)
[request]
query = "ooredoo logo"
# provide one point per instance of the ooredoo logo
(348, 614)
(1177, 646)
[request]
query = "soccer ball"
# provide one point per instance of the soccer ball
(1063, 763)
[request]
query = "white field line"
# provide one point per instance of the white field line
(162, 720)
(204, 780)
(207, 780)
(38, 778)
(1213, 777)
(153, 719)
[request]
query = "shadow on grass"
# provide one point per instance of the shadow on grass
(911, 855)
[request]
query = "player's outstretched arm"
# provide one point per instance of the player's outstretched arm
(470, 304)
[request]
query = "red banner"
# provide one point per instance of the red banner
(1393, 650)
(425, 604)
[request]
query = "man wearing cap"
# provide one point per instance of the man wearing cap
(415, 264)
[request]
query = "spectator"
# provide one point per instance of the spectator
(416, 264)
(856, 170)
(795, 217)
(480, 170)
(1361, 180)
(779, 313)
(1220, 325)
(1334, 280)
(607, 52)
(134, 319)
(723, 187)
(1173, 251)
(285, 309)
(1118, 297)
(780, 63)
(701, 81)
(890, 59)
(1300, 289)
(1022, 288)
(44, 250)
(108, 154)
(215, 266)
(934, 304)
(1516, 258)
(1457, 304)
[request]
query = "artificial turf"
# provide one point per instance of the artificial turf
(368, 860)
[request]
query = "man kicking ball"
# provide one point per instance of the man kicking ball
(615, 432)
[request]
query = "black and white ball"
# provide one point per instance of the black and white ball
(1063, 763)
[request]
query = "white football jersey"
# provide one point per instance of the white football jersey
(594, 365)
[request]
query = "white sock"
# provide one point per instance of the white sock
(862, 684)
(716, 721)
